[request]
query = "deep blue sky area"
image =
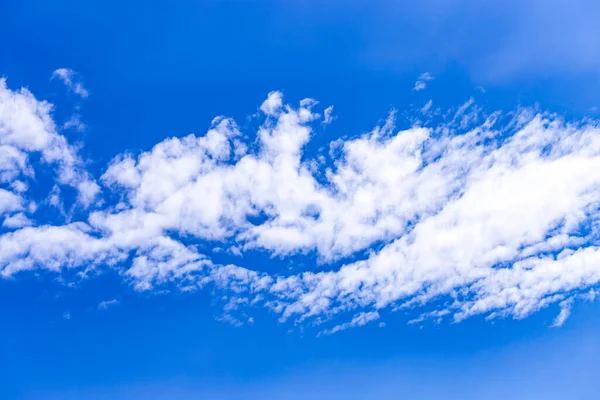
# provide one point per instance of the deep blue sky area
(159, 69)
(161, 347)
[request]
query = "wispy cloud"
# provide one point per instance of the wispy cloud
(328, 116)
(360, 319)
(74, 122)
(421, 83)
(103, 305)
(564, 314)
(67, 76)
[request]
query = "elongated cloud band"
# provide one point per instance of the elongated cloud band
(470, 213)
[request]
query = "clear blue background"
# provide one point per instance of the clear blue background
(157, 69)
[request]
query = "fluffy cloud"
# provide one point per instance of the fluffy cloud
(27, 130)
(474, 214)
(18, 220)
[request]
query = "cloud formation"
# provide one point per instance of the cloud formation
(67, 76)
(103, 305)
(474, 213)
(421, 83)
(28, 131)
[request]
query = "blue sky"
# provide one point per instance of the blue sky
(179, 219)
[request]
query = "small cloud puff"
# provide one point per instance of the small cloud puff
(103, 305)
(272, 104)
(74, 123)
(328, 116)
(67, 76)
(421, 83)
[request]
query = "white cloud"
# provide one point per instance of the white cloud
(18, 220)
(272, 104)
(74, 122)
(67, 76)
(421, 83)
(360, 319)
(565, 313)
(88, 191)
(103, 305)
(494, 214)
(328, 116)
(54, 248)
(27, 128)
(425, 109)
(227, 318)
(513, 197)
(9, 202)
